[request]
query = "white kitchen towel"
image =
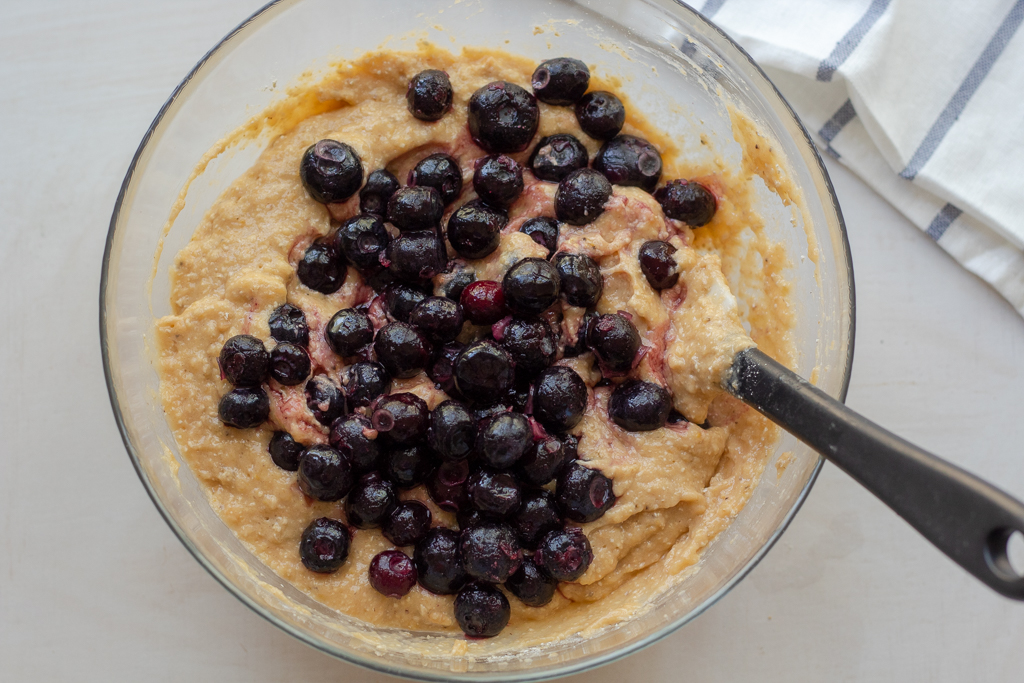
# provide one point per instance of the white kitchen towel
(923, 99)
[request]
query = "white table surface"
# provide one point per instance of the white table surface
(95, 587)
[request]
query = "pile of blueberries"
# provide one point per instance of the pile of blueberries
(489, 453)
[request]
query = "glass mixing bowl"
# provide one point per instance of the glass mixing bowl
(676, 67)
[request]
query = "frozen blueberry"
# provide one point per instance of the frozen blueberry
(447, 485)
(581, 196)
(504, 439)
(402, 350)
(324, 399)
(498, 180)
(582, 283)
(474, 230)
(468, 516)
(441, 172)
(369, 502)
(494, 493)
(408, 467)
(542, 462)
(544, 231)
(289, 364)
(400, 300)
(415, 208)
(556, 156)
(483, 302)
(429, 95)
(285, 451)
(630, 161)
(349, 435)
(363, 382)
(438, 563)
(570, 447)
(439, 318)
(407, 523)
(483, 372)
(325, 473)
(401, 419)
(559, 398)
(531, 344)
(324, 545)
(482, 611)
(331, 171)
(537, 515)
(600, 115)
(288, 324)
(320, 267)
(639, 406)
(583, 493)
(531, 286)
(244, 407)
(565, 554)
(532, 585)
(457, 283)
(452, 430)
(490, 552)
(349, 331)
(503, 117)
(560, 81)
(362, 240)
(615, 341)
(244, 360)
(577, 346)
(392, 573)
(658, 265)
(688, 201)
(442, 369)
(416, 256)
(379, 187)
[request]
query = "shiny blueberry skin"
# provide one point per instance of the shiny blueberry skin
(468, 516)
(379, 187)
(416, 256)
(442, 370)
(474, 230)
(288, 324)
(581, 196)
(630, 161)
(531, 344)
(349, 331)
(244, 361)
(560, 81)
(483, 302)
(542, 462)
(504, 439)
(349, 436)
(559, 399)
(537, 515)
(324, 545)
(687, 201)
(498, 180)
(331, 171)
(565, 554)
(415, 208)
(438, 563)
(289, 364)
(407, 415)
(570, 447)
(402, 350)
(363, 382)
(544, 231)
(439, 318)
(600, 115)
(285, 451)
(369, 502)
(639, 406)
(490, 552)
(400, 300)
(658, 265)
(320, 268)
(362, 240)
(244, 407)
(457, 283)
(532, 585)
(325, 473)
(583, 494)
(392, 573)
(493, 493)
(484, 372)
(407, 523)
(582, 283)
(556, 156)
(615, 341)
(447, 485)
(531, 286)
(429, 95)
(441, 172)
(503, 117)
(577, 346)
(324, 399)
(452, 430)
(408, 467)
(482, 611)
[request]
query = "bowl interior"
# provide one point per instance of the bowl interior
(674, 66)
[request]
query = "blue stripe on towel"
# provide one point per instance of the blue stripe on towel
(711, 7)
(830, 130)
(849, 42)
(943, 219)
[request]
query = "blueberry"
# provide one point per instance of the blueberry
(543, 461)
(531, 286)
(289, 364)
(581, 196)
(321, 269)
(452, 431)
(400, 300)
(600, 115)
(324, 545)
(379, 187)
(244, 407)
(324, 399)
(658, 265)
(440, 319)
(402, 350)
(441, 172)
(457, 283)
(518, 396)
(687, 201)
(482, 611)
(408, 467)
(407, 523)
(559, 398)
(349, 331)
(565, 554)
(639, 406)
(483, 302)
(442, 370)
(556, 156)
(415, 208)
(369, 502)
(560, 81)
(401, 419)
(532, 585)
(583, 493)
(474, 230)
(325, 473)
(483, 413)
(544, 231)
(630, 161)
(349, 436)
(392, 573)
(498, 180)
(244, 360)
(363, 382)
(570, 447)
(615, 341)
(288, 324)
(493, 493)
(531, 344)
(504, 439)
(582, 283)
(438, 563)
(537, 515)
(468, 516)
(429, 95)
(285, 451)
(362, 240)
(331, 171)
(416, 256)
(447, 485)
(503, 117)
(579, 345)
(490, 552)
(483, 372)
